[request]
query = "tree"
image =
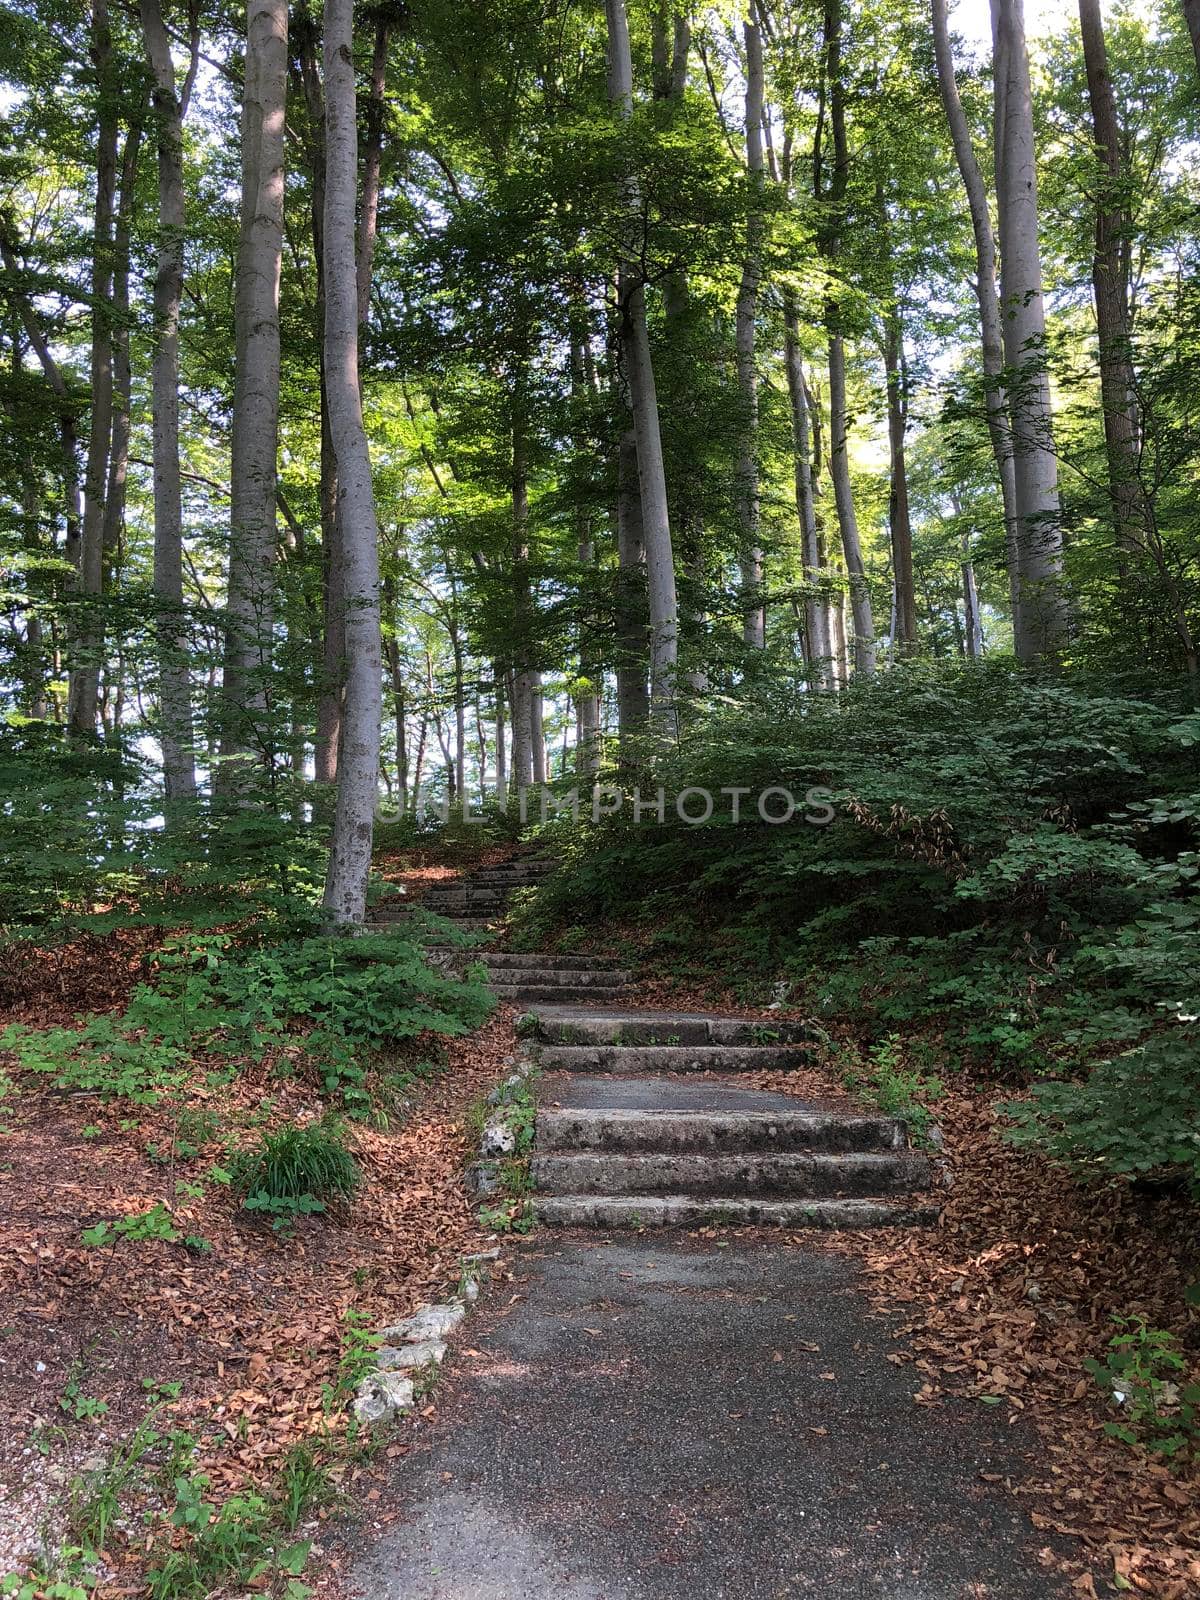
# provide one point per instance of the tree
(250, 603)
(990, 323)
(634, 337)
(174, 685)
(1041, 620)
(750, 554)
(358, 543)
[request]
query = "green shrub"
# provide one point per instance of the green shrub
(296, 1171)
(1142, 1373)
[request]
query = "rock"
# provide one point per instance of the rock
(432, 1322)
(403, 1358)
(381, 1395)
(498, 1140)
(483, 1180)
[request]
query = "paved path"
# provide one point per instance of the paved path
(650, 1420)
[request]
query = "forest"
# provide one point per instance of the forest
(412, 415)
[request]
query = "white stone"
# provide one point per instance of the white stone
(432, 1322)
(403, 1358)
(381, 1395)
(498, 1140)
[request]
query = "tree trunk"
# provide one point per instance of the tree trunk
(1131, 517)
(643, 399)
(537, 731)
(501, 731)
(174, 682)
(990, 322)
(250, 604)
(118, 456)
(1042, 621)
(632, 628)
(372, 165)
(974, 626)
(839, 455)
(524, 679)
(358, 769)
(816, 607)
(905, 631)
(750, 557)
(89, 635)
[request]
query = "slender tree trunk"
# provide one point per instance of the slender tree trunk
(358, 769)
(986, 292)
(643, 399)
(632, 626)
(816, 607)
(537, 730)
(974, 626)
(89, 636)
(250, 605)
(1042, 620)
(501, 755)
(524, 679)
(839, 453)
(750, 556)
(174, 683)
(1131, 514)
(118, 455)
(588, 699)
(904, 633)
(372, 164)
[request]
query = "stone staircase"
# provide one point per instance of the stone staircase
(642, 1123)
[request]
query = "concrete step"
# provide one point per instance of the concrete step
(697, 1211)
(786, 1175)
(508, 877)
(437, 898)
(571, 1025)
(521, 993)
(713, 1132)
(638, 1059)
(538, 977)
(545, 963)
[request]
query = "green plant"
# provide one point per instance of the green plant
(900, 1092)
(1143, 1373)
(234, 1542)
(77, 1405)
(136, 1227)
(301, 1484)
(296, 1171)
(359, 1345)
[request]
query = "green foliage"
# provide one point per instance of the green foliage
(1143, 1373)
(231, 1543)
(899, 1091)
(359, 1344)
(136, 1228)
(295, 1172)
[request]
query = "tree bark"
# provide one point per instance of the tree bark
(89, 638)
(639, 372)
(1041, 620)
(174, 683)
(750, 556)
(1131, 513)
(839, 455)
(501, 754)
(358, 774)
(372, 165)
(524, 679)
(632, 625)
(250, 605)
(986, 292)
(816, 606)
(905, 631)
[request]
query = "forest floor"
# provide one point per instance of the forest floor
(244, 1346)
